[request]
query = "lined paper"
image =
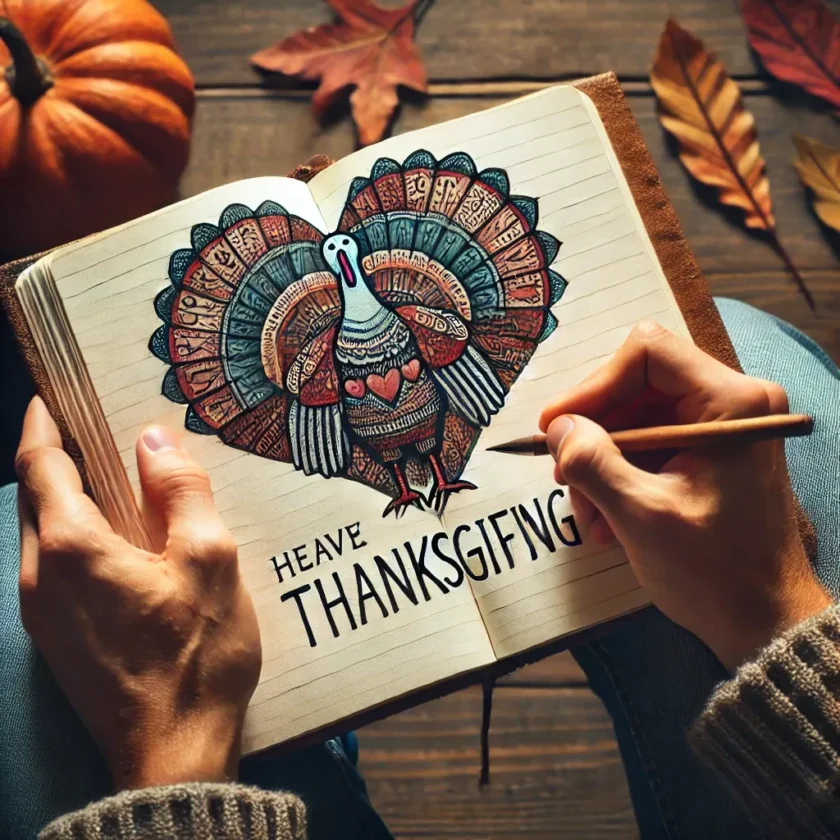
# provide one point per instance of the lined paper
(554, 148)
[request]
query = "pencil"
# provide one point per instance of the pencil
(686, 436)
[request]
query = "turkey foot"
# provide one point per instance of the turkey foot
(443, 489)
(407, 496)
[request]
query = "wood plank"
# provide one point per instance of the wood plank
(471, 39)
(771, 291)
(559, 670)
(555, 769)
(243, 136)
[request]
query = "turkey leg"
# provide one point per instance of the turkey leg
(443, 489)
(407, 496)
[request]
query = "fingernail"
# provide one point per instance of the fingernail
(558, 429)
(158, 438)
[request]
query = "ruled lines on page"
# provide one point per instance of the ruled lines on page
(536, 574)
(308, 546)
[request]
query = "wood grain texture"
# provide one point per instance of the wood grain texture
(240, 136)
(559, 670)
(540, 38)
(555, 771)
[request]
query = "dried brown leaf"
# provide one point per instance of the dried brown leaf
(703, 109)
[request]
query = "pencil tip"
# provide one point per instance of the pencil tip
(520, 446)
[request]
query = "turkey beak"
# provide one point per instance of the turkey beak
(346, 269)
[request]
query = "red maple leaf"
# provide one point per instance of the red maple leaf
(367, 47)
(798, 41)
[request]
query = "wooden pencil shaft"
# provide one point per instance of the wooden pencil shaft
(717, 432)
(688, 435)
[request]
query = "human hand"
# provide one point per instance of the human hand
(710, 533)
(158, 653)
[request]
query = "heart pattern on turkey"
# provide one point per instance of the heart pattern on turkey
(355, 388)
(385, 387)
(411, 370)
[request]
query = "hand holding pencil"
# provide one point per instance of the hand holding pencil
(711, 532)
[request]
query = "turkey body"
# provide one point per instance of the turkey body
(389, 400)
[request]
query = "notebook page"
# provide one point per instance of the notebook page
(295, 533)
(536, 573)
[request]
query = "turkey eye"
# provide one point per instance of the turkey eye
(331, 246)
(345, 241)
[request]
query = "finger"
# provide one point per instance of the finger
(48, 477)
(777, 399)
(650, 408)
(654, 358)
(585, 512)
(589, 462)
(178, 490)
(589, 517)
(601, 531)
(28, 579)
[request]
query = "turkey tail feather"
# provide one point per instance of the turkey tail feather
(222, 293)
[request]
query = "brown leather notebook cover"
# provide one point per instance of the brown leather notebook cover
(678, 264)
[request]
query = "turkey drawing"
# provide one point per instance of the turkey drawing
(376, 353)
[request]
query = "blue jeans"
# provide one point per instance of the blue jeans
(652, 676)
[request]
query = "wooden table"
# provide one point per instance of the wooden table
(556, 771)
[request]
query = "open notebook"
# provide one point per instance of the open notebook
(343, 352)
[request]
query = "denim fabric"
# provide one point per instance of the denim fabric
(653, 676)
(49, 765)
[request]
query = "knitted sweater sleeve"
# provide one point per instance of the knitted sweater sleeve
(773, 732)
(188, 812)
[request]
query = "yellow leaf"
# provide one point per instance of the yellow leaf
(818, 166)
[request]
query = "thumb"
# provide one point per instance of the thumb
(588, 460)
(175, 488)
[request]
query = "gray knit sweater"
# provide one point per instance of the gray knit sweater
(186, 812)
(772, 732)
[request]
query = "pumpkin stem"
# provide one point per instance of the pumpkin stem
(28, 77)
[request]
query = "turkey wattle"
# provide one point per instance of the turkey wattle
(376, 353)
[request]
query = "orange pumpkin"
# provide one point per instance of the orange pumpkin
(95, 110)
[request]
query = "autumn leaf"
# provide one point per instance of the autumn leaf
(818, 166)
(703, 109)
(798, 41)
(367, 47)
